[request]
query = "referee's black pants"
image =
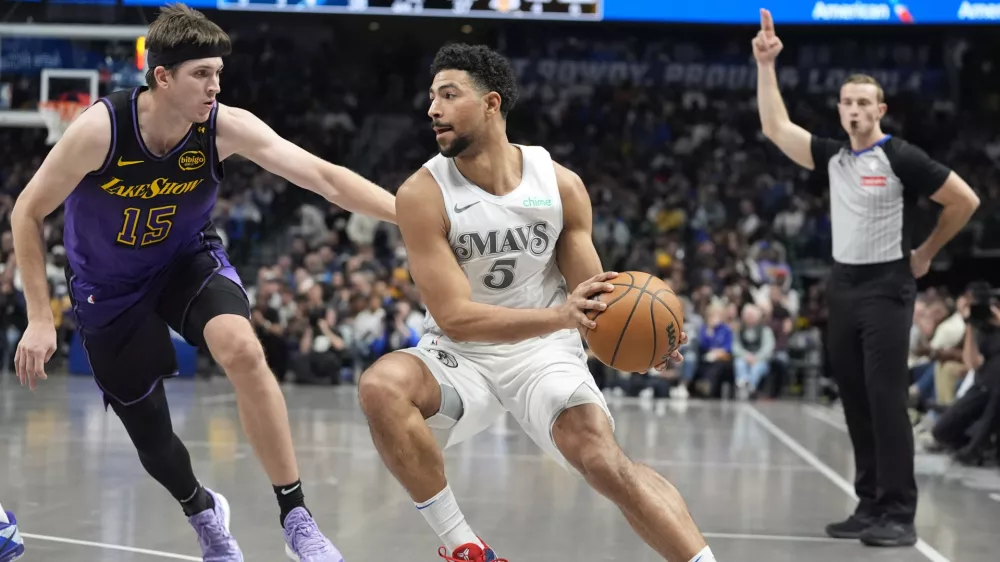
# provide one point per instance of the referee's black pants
(871, 312)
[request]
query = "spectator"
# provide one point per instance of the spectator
(947, 330)
(13, 319)
(270, 329)
(946, 352)
(369, 325)
(716, 341)
(970, 425)
(753, 349)
(323, 349)
(779, 316)
(397, 330)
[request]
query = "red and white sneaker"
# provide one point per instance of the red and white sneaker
(471, 553)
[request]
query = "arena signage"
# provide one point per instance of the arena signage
(711, 76)
(812, 12)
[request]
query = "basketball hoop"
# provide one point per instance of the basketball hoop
(59, 113)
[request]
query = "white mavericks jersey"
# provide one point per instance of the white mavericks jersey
(506, 245)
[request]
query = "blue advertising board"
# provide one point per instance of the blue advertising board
(576, 10)
(813, 12)
(891, 12)
(29, 55)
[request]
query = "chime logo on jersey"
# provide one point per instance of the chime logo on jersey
(532, 202)
(874, 181)
(533, 238)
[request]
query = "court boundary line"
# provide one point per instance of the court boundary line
(108, 546)
(778, 538)
(818, 414)
(833, 476)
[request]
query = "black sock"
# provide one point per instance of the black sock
(199, 501)
(290, 496)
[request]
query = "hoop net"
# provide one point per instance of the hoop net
(59, 113)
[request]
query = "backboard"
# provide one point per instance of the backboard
(50, 62)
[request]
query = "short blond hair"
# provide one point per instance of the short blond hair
(866, 79)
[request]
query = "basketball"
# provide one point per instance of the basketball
(641, 326)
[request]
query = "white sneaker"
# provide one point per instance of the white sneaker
(742, 390)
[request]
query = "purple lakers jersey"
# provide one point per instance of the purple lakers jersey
(129, 220)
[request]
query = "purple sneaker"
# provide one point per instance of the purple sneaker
(212, 526)
(304, 542)
(11, 545)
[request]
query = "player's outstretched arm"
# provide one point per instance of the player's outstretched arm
(444, 287)
(793, 140)
(241, 132)
(82, 149)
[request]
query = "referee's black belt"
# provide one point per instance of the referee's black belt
(856, 274)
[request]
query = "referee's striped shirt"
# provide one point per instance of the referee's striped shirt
(873, 196)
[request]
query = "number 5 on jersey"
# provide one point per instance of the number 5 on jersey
(157, 229)
(501, 275)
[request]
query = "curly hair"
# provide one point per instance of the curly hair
(489, 70)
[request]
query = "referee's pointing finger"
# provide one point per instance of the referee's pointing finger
(766, 23)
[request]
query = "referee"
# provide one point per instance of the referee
(875, 182)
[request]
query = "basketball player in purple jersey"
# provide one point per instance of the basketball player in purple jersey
(139, 173)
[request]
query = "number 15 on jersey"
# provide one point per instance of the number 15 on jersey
(157, 225)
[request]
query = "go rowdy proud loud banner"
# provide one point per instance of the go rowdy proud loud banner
(709, 76)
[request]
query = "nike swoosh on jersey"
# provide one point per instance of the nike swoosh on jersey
(465, 208)
(127, 162)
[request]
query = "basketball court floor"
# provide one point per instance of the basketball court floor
(761, 480)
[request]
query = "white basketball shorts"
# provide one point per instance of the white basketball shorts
(535, 380)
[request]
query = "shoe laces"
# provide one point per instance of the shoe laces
(210, 532)
(307, 538)
(443, 553)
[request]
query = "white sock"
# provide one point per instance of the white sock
(444, 516)
(3, 516)
(704, 556)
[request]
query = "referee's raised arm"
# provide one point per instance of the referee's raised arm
(793, 140)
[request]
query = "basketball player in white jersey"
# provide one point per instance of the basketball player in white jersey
(493, 232)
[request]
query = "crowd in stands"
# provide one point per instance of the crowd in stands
(955, 369)
(682, 182)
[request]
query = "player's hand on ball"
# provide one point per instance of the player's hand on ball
(674, 357)
(579, 302)
(766, 44)
(34, 350)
